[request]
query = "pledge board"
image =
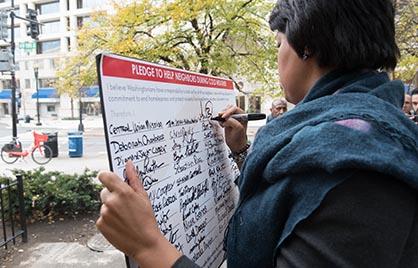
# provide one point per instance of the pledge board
(159, 117)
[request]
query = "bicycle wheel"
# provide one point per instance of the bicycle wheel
(7, 157)
(42, 154)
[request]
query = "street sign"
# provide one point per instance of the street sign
(27, 46)
(6, 60)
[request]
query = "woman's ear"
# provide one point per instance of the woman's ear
(306, 54)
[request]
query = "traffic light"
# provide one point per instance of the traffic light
(4, 33)
(33, 27)
(6, 60)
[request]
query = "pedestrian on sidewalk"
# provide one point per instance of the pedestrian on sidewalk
(339, 187)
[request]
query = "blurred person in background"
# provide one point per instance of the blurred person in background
(407, 104)
(278, 108)
(414, 100)
(414, 104)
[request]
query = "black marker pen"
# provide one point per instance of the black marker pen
(242, 117)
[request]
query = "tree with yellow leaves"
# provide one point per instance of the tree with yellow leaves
(407, 39)
(228, 38)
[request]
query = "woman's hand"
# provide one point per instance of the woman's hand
(128, 222)
(235, 131)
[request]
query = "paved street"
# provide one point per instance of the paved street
(94, 149)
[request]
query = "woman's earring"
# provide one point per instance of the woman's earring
(305, 56)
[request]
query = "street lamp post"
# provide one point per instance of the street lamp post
(13, 73)
(36, 70)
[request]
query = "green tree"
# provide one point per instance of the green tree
(76, 72)
(407, 38)
(216, 37)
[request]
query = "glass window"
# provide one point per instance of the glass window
(254, 104)
(6, 83)
(17, 33)
(27, 83)
(47, 82)
(82, 20)
(50, 108)
(89, 3)
(240, 101)
(79, 22)
(46, 47)
(48, 8)
(50, 27)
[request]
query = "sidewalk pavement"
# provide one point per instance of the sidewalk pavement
(89, 122)
(71, 255)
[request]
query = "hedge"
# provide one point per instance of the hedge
(49, 195)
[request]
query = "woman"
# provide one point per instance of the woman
(332, 183)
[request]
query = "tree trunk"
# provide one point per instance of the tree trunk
(72, 108)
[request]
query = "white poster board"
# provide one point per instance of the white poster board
(159, 117)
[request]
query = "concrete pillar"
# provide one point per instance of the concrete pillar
(63, 26)
(73, 25)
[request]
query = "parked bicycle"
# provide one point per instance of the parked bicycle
(40, 153)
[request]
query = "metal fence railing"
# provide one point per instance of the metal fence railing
(12, 211)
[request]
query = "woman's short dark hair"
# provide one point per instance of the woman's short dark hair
(342, 34)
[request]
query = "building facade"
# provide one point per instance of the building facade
(61, 19)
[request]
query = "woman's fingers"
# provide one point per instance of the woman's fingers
(133, 177)
(104, 195)
(235, 131)
(126, 216)
(230, 110)
(111, 181)
(232, 123)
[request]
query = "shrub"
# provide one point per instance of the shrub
(48, 195)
